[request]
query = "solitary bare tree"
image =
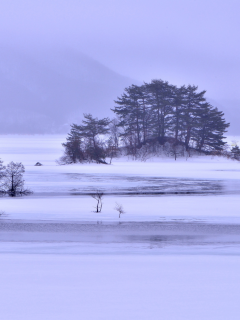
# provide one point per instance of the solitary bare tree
(13, 182)
(119, 209)
(98, 197)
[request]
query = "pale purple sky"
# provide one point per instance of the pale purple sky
(182, 41)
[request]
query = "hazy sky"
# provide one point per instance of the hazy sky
(182, 41)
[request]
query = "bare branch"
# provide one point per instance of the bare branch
(119, 209)
(98, 197)
(13, 182)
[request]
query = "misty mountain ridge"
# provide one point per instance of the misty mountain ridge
(45, 91)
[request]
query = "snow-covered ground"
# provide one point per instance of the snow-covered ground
(174, 254)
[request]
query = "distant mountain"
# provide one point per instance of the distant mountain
(44, 92)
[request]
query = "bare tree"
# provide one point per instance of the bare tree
(119, 209)
(98, 197)
(13, 183)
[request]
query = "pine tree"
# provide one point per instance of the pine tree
(177, 116)
(91, 128)
(73, 147)
(191, 103)
(133, 112)
(210, 128)
(216, 128)
(160, 98)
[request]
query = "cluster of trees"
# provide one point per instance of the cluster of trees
(160, 112)
(153, 115)
(84, 143)
(11, 179)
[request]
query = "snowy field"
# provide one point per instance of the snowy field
(174, 254)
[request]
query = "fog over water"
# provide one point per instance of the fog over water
(59, 59)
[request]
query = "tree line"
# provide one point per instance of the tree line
(147, 117)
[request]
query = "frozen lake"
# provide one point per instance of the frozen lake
(160, 189)
(76, 183)
(174, 254)
(176, 237)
